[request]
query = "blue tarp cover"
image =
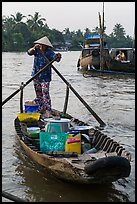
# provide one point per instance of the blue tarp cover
(92, 36)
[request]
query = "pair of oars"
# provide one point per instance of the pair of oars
(102, 124)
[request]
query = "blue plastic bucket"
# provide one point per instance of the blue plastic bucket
(31, 108)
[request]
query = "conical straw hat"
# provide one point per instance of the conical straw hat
(44, 41)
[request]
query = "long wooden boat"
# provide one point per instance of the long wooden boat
(80, 154)
(127, 66)
(90, 58)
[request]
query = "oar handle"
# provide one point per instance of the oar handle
(25, 84)
(12, 197)
(102, 124)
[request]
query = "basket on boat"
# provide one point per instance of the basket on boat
(28, 117)
(52, 141)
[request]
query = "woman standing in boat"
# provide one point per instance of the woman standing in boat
(42, 81)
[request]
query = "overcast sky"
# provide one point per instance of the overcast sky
(77, 15)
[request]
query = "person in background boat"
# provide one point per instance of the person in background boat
(42, 81)
(121, 56)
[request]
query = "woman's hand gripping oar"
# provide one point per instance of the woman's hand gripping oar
(25, 84)
(102, 124)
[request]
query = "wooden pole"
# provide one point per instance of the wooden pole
(101, 23)
(103, 38)
(21, 97)
(103, 26)
(66, 100)
(101, 64)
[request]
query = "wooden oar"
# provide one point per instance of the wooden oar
(12, 197)
(25, 84)
(102, 124)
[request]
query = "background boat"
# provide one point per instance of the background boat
(127, 65)
(89, 60)
(96, 56)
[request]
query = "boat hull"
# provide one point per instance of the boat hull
(125, 66)
(91, 58)
(106, 73)
(79, 168)
(89, 61)
(63, 169)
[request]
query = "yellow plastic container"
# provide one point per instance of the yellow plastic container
(28, 117)
(73, 144)
(73, 147)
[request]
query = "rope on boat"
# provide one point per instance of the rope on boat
(12, 197)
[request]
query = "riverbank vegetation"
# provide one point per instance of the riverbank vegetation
(19, 32)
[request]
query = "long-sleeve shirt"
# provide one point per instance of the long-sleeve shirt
(40, 62)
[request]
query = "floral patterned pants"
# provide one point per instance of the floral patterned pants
(42, 95)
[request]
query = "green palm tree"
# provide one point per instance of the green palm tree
(35, 21)
(18, 17)
(7, 24)
(119, 31)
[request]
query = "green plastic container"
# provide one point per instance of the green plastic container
(33, 132)
(53, 141)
